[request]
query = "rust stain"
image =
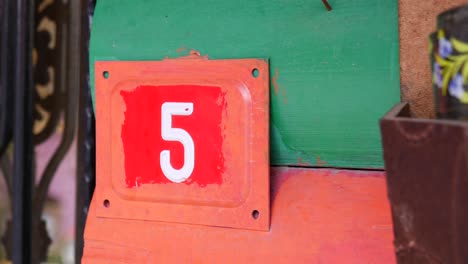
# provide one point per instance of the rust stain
(274, 81)
(320, 162)
(300, 162)
(181, 49)
(193, 54)
(283, 91)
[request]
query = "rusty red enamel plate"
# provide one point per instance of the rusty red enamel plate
(184, 140)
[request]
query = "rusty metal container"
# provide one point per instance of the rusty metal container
(427, 176)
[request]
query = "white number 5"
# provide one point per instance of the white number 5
(169, 133)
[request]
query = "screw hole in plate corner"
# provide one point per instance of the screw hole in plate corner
(106, 203)
(105, 74)
(255, 214)
(255, 72)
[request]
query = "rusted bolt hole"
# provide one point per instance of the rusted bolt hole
(255, 214)
(255, 73)
(105, 74)
(106, 203)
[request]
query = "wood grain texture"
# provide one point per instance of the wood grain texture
(333, 73)
(417, 20)
(317, 216)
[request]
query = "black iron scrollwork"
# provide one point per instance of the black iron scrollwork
(55, 99)
(48, 76)
(5, 93)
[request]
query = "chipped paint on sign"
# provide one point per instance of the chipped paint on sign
(143, 142)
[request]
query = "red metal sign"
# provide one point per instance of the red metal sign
(184, 140)
(183, 121)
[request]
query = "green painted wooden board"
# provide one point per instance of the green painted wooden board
(336, 73)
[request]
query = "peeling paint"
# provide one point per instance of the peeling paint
(276, 86)
(274, 81)
(283, 91)
(320, 162)
(181, 49)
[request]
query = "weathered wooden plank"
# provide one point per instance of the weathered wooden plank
(333, 74)
(317, 216)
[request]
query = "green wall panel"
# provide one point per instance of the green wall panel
(336, 73)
